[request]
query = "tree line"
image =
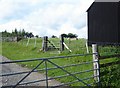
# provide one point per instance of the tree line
(23, 34)
(69, 35)
(15, 33)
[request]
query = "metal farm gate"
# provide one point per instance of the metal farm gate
(91, 77)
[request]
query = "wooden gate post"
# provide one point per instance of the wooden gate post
(45, 43)
(96, 64)
(61, 43)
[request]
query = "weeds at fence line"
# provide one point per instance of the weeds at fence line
(110, 66)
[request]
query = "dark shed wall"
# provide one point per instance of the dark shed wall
(119, 22)
(103, 22)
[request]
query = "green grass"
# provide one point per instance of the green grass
(19, 51)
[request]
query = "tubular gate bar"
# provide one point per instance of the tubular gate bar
(95, 69)
(39, 59)
(46, 61)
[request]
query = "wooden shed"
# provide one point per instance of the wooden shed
(104, 22)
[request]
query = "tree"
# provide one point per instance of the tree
(53, 36)
(6, 34)
(37, 36)
(70, 35)
(27, 34)
(20, 33)
(23, 32)
(16, 32)
(12, 33)
(64, 35)
(5, 31)
(30, 35)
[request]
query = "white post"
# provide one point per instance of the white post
(28, 41)
(35, 42)
(45, 43)
(87, 47)
(96, 63)
(66, 47)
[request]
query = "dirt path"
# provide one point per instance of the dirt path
(11, 80)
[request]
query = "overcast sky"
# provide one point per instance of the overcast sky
(45, 17)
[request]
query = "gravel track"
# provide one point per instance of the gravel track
(12, 80)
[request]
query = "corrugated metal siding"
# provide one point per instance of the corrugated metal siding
(103, 22)
(119, 22)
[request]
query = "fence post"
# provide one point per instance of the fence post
(87, 47)
(44, 43)
(61, 43)
(96, 64)
(35, 42)
(28, 41)
(46, 73)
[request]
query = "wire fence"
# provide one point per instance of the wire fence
(109, 64)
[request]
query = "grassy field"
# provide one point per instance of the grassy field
(19, 51)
